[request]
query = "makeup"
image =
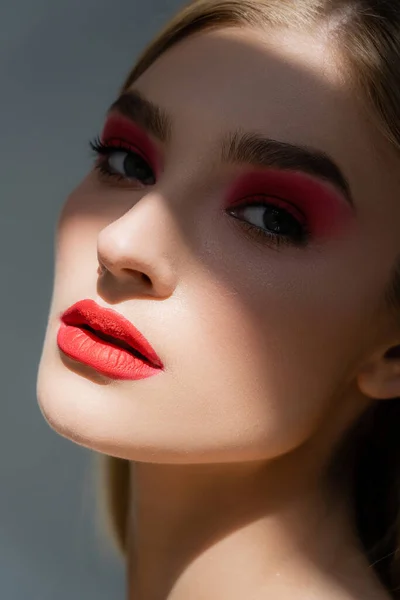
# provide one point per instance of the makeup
(119, 129)
(316, 203)
(104, 340)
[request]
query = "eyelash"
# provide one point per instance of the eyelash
(104, 150)
(299, 238)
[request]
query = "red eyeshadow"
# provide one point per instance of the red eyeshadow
(119, 129)
(325, 210)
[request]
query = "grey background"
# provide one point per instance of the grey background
(61, 64)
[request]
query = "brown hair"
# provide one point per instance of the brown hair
(366, 36)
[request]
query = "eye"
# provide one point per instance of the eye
(271, 221)
(114, 160)
(131, 165)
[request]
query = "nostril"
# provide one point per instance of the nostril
(393, 353)
(145, 278)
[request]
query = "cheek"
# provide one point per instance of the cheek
(76, 244)
(263, 374)
(87, 210)
(92, 203)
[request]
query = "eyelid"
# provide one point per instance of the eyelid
(125, 146)
(282, 183)
(118, 127)
(271, 200)
(327, 212)
(104, 152)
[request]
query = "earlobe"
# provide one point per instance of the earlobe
(380, 379)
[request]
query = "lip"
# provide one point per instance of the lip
(105, 340)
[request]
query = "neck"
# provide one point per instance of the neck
(249, 530)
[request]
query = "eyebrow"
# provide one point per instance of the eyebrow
(146, 114)
(240, 147)
(260, 151)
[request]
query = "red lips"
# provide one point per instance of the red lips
(106, 341)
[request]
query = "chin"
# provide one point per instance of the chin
(100, 418)
(84, 407)
(144, 421)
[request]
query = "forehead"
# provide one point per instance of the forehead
(268, 81)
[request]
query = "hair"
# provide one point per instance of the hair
(365, 34)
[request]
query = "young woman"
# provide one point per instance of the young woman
(225, 322)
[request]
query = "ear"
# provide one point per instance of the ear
(379, 379)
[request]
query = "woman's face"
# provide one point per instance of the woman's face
(253, 269)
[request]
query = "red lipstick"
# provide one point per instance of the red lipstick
(104, 340)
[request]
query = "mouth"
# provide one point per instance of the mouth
(114, 341)
(104, 339)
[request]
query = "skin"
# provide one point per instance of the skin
(270, 352)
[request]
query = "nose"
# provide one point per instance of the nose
(136, 249)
